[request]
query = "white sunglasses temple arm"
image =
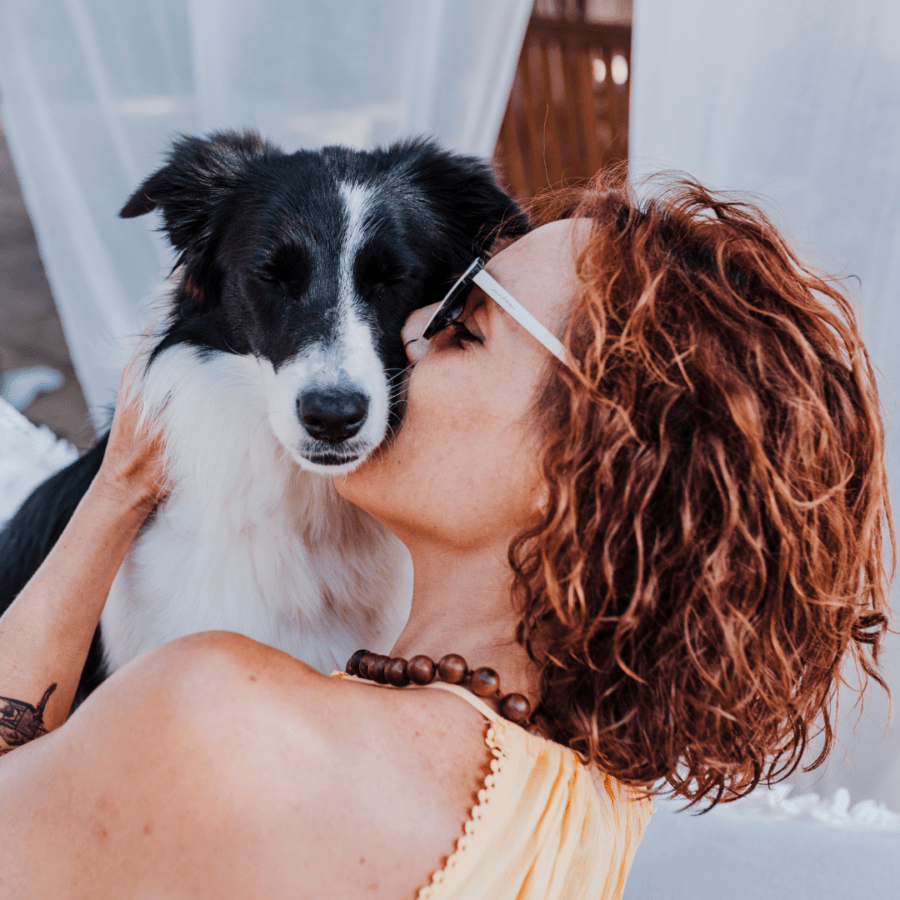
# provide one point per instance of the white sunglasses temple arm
(507, 302)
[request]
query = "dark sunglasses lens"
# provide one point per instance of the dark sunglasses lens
(453, 305)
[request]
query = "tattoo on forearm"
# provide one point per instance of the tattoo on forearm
(20, 722)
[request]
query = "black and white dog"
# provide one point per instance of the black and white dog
(279, 365)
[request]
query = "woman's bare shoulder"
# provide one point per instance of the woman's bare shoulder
(355, 786)
(232, 765)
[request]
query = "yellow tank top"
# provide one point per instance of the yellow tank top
(539, 829)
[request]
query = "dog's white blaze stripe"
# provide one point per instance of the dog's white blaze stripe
(349, 360)
(364, 367)
(355, 347)
(358, 199)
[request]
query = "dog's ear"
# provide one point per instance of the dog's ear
(473, 212)
(199, 173)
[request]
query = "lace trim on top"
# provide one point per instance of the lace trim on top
(430, 891)
(470, 830)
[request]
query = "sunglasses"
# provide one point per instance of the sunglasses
(454, 303)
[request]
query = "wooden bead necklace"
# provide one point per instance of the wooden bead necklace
(452, 669)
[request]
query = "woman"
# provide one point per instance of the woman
(667, 539)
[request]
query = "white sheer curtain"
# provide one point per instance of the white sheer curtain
(92, 91)
(799, 102)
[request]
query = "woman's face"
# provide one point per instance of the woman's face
(462, 469)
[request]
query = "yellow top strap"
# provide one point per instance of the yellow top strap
(466, 695)
(539, 829)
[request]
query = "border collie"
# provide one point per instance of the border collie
(279, 364)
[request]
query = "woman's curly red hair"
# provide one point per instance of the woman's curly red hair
(711, 551)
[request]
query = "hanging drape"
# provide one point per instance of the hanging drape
(93, 90)
(799, 102)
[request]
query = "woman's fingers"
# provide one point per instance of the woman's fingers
(135, 454)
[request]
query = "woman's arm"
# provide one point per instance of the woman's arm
(46, 633)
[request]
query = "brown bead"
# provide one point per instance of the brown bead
(453, 669)
(376, 668)
(353, 662)
(364, 664)
(485, 682)
(539, 727)
(420, 670)
(395, 672)
(516, 708)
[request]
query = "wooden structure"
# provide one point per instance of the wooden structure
(567, 114)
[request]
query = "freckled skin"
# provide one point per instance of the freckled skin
(467, 445)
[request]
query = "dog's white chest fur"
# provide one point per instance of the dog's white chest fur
(247, 541)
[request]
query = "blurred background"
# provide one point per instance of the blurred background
(797, 101)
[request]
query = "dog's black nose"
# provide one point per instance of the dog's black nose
(332, 415)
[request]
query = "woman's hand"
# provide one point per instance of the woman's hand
(133, 464)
